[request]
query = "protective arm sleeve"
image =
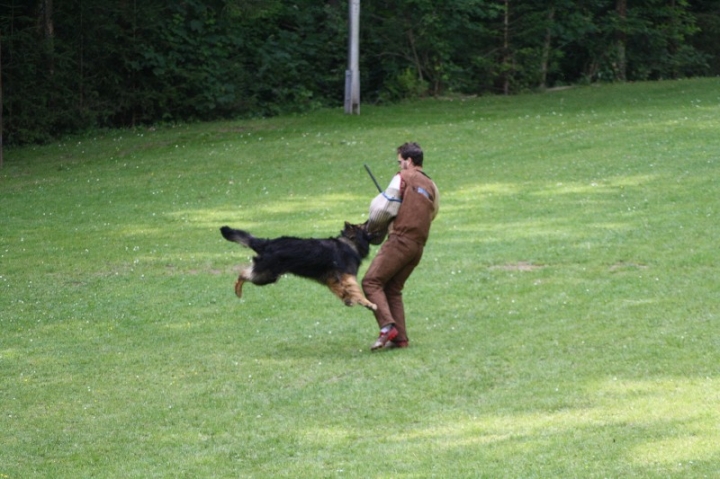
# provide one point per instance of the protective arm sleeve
(383, 209)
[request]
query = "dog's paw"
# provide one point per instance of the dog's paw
(371, 306)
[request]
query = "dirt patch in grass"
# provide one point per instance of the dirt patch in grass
(622, 265)
(519, 266)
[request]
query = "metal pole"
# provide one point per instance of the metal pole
(352, 74)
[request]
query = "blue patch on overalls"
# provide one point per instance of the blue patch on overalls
(424, 192)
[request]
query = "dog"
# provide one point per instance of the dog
(333, 262)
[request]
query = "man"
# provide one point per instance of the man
(405, 210)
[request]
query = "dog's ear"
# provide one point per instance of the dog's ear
(348, 230)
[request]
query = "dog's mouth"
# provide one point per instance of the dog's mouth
(367, 235)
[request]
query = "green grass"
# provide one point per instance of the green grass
(563, 320)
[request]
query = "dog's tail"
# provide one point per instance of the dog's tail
(237, 236)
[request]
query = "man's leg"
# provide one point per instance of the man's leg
(395, 286)
(387, 262)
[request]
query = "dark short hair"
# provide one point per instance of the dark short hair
(412, 151)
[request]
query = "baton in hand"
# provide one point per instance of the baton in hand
(367, 168)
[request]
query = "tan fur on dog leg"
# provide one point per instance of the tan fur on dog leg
(354, 293)
(348, 290)
(245, 275)
(337, 289)
(238, 286)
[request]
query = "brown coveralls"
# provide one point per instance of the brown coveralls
(400, 254)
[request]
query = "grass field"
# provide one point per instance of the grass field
(564, 320)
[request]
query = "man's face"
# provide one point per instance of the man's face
(403, 163)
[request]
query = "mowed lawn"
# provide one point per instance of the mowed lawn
(563, 321)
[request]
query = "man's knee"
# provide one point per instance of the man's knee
(370, 284)
(366, 284)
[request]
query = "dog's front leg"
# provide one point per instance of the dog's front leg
(337, 289)
(353, 293)
(347, 289)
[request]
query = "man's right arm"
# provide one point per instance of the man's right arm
(383, 209)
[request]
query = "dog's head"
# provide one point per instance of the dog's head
(353, 232)
(359, 236)
(374, 237)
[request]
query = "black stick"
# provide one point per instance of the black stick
(367, 168)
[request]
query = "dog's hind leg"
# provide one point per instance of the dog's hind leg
(238, 286)
(250, 273)
(245, 275)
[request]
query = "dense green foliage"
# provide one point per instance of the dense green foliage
(78, 64)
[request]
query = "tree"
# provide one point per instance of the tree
(80, 64)
(621, 35)
(46, 20)
(706, 40)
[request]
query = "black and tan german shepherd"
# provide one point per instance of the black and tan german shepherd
(333, 262)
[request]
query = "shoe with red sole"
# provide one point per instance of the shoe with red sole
(395, 344)
(384, 338)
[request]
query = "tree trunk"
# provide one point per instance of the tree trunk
(416, 57)
(506, 49)
(621, 67)
(672, 45)
(546, 49)
(49, 33)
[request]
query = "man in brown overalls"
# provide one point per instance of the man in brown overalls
(406, 209)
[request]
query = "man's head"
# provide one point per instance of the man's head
(412, 152)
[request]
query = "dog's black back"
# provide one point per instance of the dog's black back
(318, 259)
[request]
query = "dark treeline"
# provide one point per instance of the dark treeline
(73, 65)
